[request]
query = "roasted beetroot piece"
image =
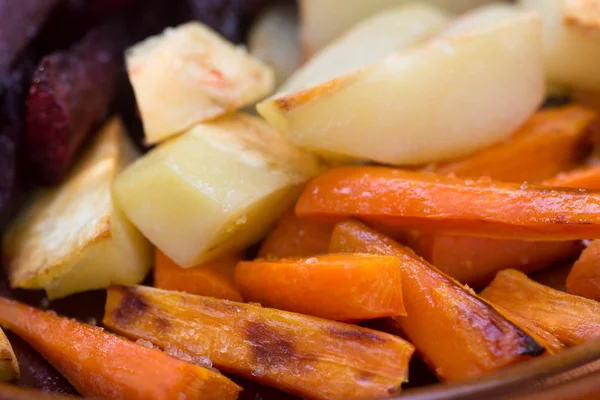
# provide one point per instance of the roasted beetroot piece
(20, 21)
(231, 18)
(70, 92)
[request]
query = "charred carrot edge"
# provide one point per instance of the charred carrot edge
(457, 334)
(551, 141)
(214, 278)
(303, 355)
(296, 237)
(341, 287)
(572, 319)
(584, 278)
(431, 202)
(104, 365)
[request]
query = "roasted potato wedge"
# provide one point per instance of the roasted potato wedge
(73, 238)
(215, 189)
(9, 367)
(190, 74)
(403, 110)
(367, 42)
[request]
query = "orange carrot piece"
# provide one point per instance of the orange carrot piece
(306, 356)
(587, 177)
(584, 278)
(551, 141)
(572, 319)
(12, 392)
(296, 237)
(213, 278)
(99, 364)
(429, 202)
(457, 334)
(341, 287)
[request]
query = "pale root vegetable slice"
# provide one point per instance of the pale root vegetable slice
(73, 237)
(584, 277)
(9, 367)
(572, 319)
(322, 21)
(213, 278)
(306, 356)
(367, 42)
(341, 287)
(215, 189)
(190, 74)
(457, 334)
(571, 31)
(273, 38)
(402, 110)
(102, 365)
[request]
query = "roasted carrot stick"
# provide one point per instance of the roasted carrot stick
(213, 278)
(12, 392)
(296, 237)
(303, 355)
(457, 334)
(341, 287)
(99, 364)
(586, 177)
(422, 201)
(572, 319)
(551, 141)
(584, 278)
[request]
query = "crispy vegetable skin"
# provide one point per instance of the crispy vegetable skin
(457, 334)
(584, 278)
(104, 365)
(71, 92)
(296, 237)
(20, 21)
(341, 287)
(12, 392)
(9, 367)
(306, 356)
(417, 200)
(550, 142)
(572, 319)
(213, 278)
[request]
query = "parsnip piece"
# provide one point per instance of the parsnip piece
(73, 238)
(571, 31)
(215, 189)
(190, 74)
(9, 367)
(324, 20)
(480, 18)
(443, 99)
(274, 39)
(367, 42)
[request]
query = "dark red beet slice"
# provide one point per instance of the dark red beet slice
(70, 92)
(20, 21)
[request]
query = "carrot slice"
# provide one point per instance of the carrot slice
(13, 392)
(587, 177)
(458, 335)
(422, 201)
(341, 287)
(551, 141)
(213, 278)
(572, 319)
(296, 237)
(99, 364)
(303, 355)
(584, 278)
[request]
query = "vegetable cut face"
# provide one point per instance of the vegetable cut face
(213, 278)
(74, 238)
(584, 277)
(302, 355)
(572, 319)
(190, 74)
(100, 364)
(416, 200)
(457, 334)
(402, 111)
(341, 287)
(296, 237)
(9, 366)
(215, 189)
